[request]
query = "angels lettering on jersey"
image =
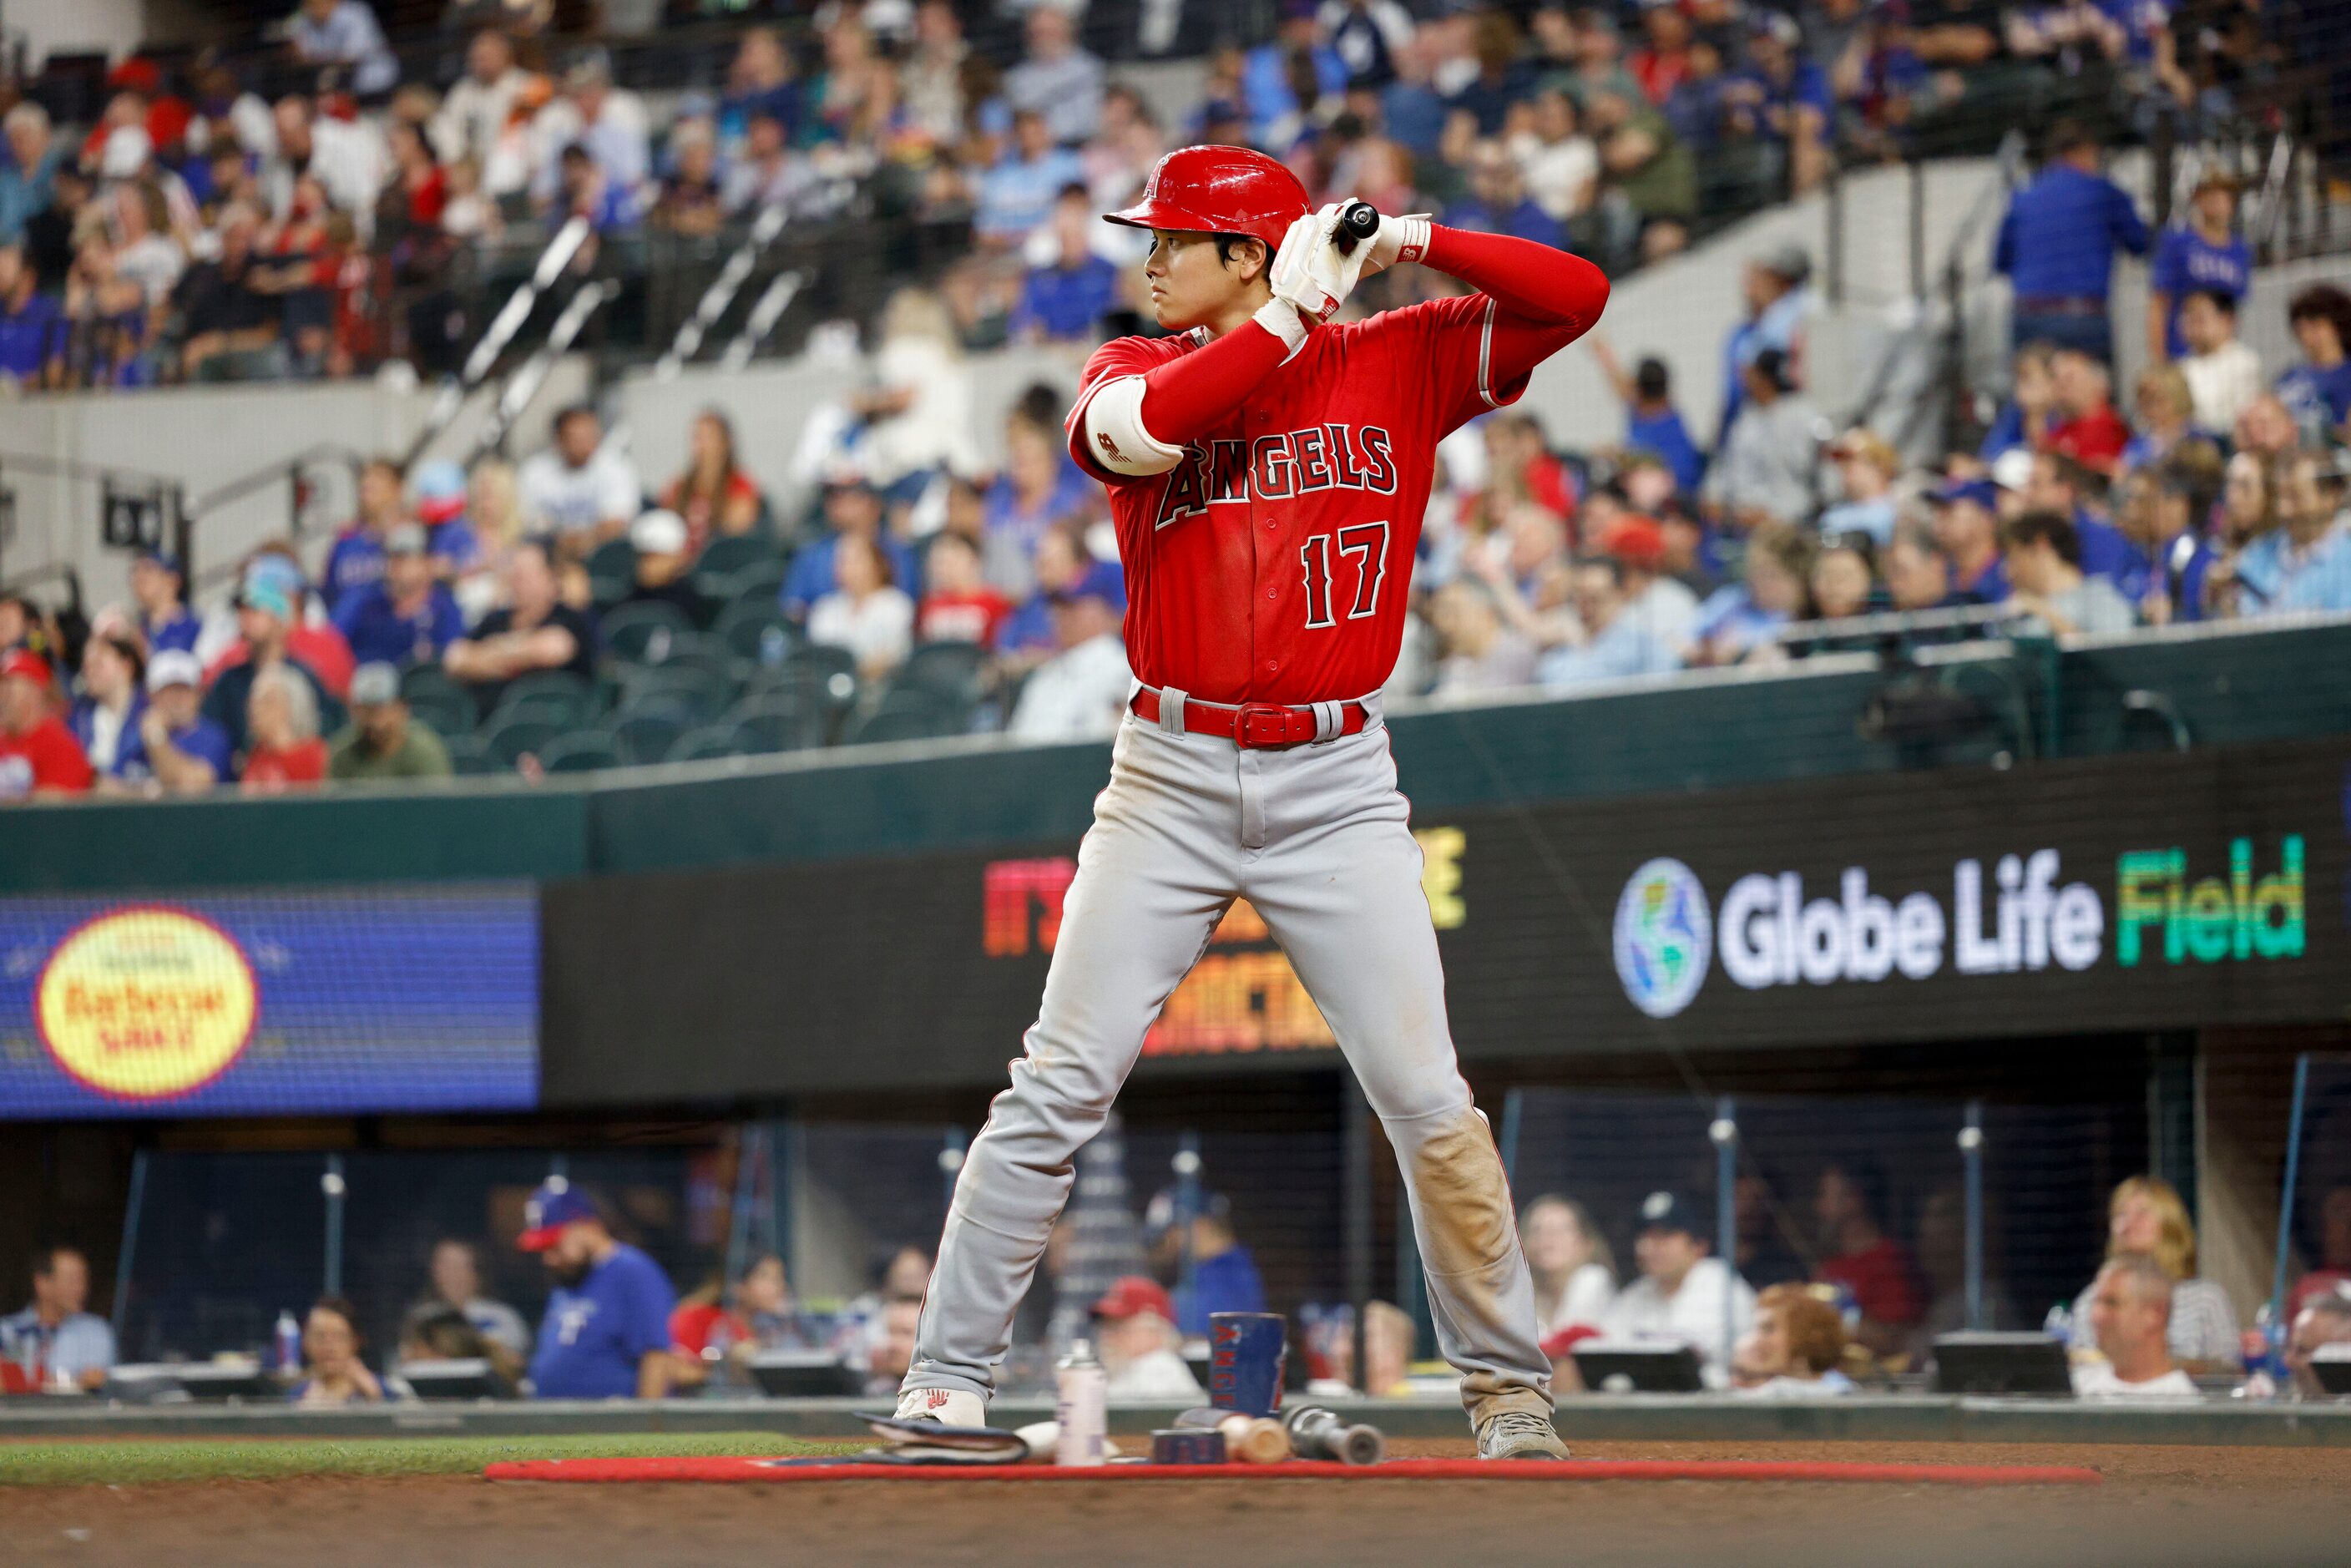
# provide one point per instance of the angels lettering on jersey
(1275, 467)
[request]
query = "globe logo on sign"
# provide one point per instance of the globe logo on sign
(1664, 935)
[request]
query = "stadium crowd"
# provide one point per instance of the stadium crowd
(1845, 1305)
(572, 612)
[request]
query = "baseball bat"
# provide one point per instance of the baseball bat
(1248, 1439)
(1359, 222)
(1319, 1434)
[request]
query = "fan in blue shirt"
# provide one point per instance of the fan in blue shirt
(2202, 252)
(1498, 203)
(2057, 244)
(406, 618)
(1223, 1277)
(606, 1333)
(2317, 392)
(1066, 302)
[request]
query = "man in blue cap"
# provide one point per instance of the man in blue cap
(606, 1333)
(1967, 530)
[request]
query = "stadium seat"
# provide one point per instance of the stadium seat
(649, 731)
(778, 722)
(445, 712)
(645, 633)
(581, 753)
(951, 669)
(702, 691)
(612, 570)
(508, 739)
(755, 630)
(723, 557)
(560, 695)
(712, 740)
(833, 670)
(468, 757)
(912, 715)
(762, 580)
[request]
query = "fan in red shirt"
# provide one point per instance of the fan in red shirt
(2087, 429)
(38, 755)
(958, 606)
(284, 722)
(1856, 1253)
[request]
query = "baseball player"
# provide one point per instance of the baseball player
(1268, 474)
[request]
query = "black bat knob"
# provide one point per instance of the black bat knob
(1359, 222)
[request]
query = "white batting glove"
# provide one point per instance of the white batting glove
(1333, 273)
(1297, 276)
(1398, 240)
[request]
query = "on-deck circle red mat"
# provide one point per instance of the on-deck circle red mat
(717, 1469)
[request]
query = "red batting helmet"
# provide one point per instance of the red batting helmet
(1219, 190)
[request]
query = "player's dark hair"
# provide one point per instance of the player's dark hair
(1225, 244)
(2054, 527)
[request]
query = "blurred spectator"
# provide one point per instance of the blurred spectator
(1849, 1207)
(164, 620)
(283, 749)
(1845, 576)
(1498, 202)
(440, 507)
(1764, 1253)
(2148, 1223)
(1017, 192)
(332, 1372)
(29, 177)
(2296, 564)
(1574, 1272)
(957, 604)
(38, 755)
(931, 74)
(714, 495)
(2130, 1311)
(2042, 553)
(2223, 375)
(578, 489)
(2159, 516)
(1065, 301)
(1795, 1349)
(455, 1285)
(1058, 80)
(1866, 468)
(186, 752)
(1081, 693)
(1061, 562)
(917, 414)
(768, 172)
(2056, 246)
(1967, 531)
(1783, 100)
(608, 123)
(228, 305)
(2075, 491)
(2332, 1269)
(356, 561)
(1135, 1335)
(347, 159)
(534, 631)
(759, 80)
(265, 621)
(2324, 1320)
(1742, 621)
(717, 1330)
(407, 616)
(1482, 653)
(866, 612)
(1780, 306)
(2165, 411)
(344, 32)
(105, 720)
(476, 109)
(1662, 606)
(851, 509)
(54, 1340)
(2203, 253)
(1768, 468)
(32, 326)
(2317, 392)
(664, 564)
(691, 202)
(1223, 1276)
(892, 1349)
(606, 1331)
(384, 741)
(1615, 644)
(1652, 424)
(1557, 164)
(1681, 1293)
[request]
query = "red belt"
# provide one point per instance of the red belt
(1253, 727)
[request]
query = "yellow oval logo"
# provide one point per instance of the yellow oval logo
(146, 1003)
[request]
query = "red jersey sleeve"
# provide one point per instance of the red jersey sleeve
(1119, 356)
(1479, 349)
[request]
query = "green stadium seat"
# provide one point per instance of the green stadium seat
(612, 570)
(762, 580)
(712, 740)
(645, 633)
(444, 711)
(508, 739)
(586, 752)
(833, 670)
(648, 731)
(468, 757)
(912, 715)
(723, 556)
(951, 669)
(755, 630)
(778, 722)
(702, 691)
(559, 695)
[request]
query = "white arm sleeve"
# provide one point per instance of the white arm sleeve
(1114, 434)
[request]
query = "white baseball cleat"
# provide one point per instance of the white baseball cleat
(1519, 1434)
(947, 1407)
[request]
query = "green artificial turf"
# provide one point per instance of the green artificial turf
(141, 1460)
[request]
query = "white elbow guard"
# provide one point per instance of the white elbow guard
(1114, 434)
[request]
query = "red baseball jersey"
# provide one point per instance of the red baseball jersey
(1273, 562)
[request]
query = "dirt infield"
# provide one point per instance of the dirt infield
(2160, 1507)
